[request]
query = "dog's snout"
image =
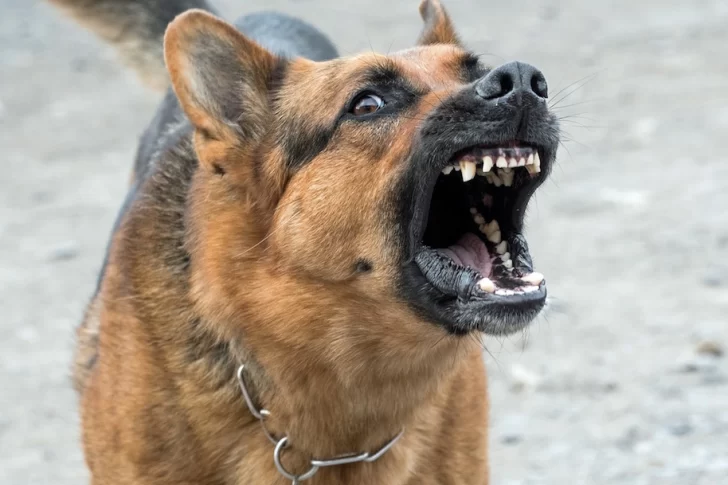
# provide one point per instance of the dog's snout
(512, 78)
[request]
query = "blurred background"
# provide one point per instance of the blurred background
(625, 378)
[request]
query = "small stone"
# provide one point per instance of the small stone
(64, 252)
(680, 428)
(699, 363)
(715, 277)
(710, 347)
(511, 439)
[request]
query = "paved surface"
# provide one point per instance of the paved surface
(618, 384)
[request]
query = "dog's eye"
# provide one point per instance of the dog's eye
(366, 104)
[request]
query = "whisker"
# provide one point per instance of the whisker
(585, 80)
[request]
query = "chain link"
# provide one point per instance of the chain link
(282, 443)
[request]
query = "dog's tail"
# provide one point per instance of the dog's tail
(134, 27)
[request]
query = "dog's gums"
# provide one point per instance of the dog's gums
(473, 251)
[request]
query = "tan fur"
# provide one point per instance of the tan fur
(270, 280)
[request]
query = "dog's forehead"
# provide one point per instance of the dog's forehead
(325, 86)
(435, 65)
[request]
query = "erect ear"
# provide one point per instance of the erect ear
(221, 79)
(438, 26)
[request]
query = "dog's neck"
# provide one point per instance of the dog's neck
(322, 415)
(325, 418)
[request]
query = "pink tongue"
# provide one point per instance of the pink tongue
(470, 251)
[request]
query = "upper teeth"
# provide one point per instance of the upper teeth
(468, 170)
(505, 174)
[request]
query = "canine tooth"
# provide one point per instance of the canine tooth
(479, 219)
(537, 162)
(448, 169)
(507, 178)
(534, 279)
(501, 162)
(522, 162)
(532, 170)
(508, 263)
(505, 255)
(502, 247)
(486, 285)
(495, 238)
(496, 180)
(491, 227)
(529, 160)
(512, 162)
(468, 169)
(487, 164)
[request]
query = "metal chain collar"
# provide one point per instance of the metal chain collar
(282, 443)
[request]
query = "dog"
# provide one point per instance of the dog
(309, 252)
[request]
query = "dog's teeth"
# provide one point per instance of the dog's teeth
(483, 228)
(508, 263)
(529, 160)
(505, 292)
(448, 169)
(502, 247)
(486, 285)
(501, 162)
(513, 162)
(530, 289)
(537, 162)
(534, 279)
(531, 169)
(468, 170)
(456, 167)
(495, 238)
(505, 255)
(479, 219)
(491, 228)
(507, 176)
(487, 164)
(496, 180)
(522, 162)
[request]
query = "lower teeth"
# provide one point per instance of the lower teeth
(492, 232)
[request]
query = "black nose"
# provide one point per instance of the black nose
(511, 78)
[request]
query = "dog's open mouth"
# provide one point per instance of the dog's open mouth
(473, 251)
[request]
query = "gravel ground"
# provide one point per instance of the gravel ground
(623, 381)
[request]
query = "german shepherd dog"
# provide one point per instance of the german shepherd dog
(310, 250)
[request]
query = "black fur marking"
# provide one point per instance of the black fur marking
(472, 69)
(302, 140)
(386, 82)
(363, 266)
(218, 169)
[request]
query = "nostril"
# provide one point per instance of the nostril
(539, 85)
(513, 77)
(506, 82)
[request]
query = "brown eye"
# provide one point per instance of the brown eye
(367, 104)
